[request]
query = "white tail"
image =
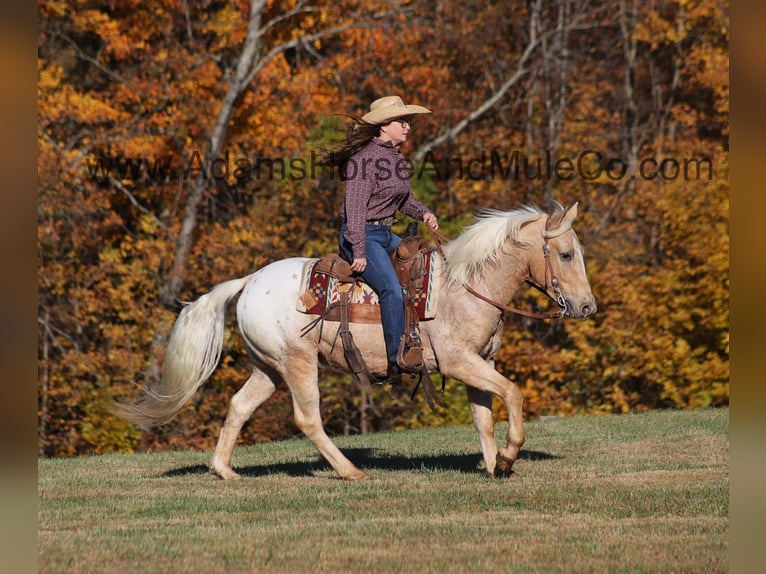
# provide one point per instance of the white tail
(191, 356)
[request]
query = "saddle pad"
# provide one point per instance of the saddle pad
(319, 290)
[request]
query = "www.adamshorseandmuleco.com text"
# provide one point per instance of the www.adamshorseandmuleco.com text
(589, 165)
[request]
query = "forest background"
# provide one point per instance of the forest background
(177, 148)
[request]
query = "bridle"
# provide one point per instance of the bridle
(559, 297)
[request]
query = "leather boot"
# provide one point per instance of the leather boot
(393, 376)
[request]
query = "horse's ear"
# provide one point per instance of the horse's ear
(561, 222)
(571, 213)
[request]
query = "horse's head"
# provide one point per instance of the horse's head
(560, 268)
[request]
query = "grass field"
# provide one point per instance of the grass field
(632, 493)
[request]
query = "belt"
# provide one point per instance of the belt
(385, 222)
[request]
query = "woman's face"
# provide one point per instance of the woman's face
(395, 131)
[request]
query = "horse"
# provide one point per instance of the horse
(485, 265)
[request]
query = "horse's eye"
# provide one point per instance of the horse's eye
(566, 256)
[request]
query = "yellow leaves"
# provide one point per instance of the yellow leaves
(681, 348)
(90, 109)
(139, 85)
(54, 8)
(160, 56)
(655, 30)
(117, 43)
(148, 224)
(52, 97)
(228, 26)
(110, 255)
(688, 29)
(57, 101)
(207, 75)
(48, 78)
(144, 147)
(711, 70)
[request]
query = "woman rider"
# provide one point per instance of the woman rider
(377, 186)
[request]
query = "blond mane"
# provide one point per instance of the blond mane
(480, 243)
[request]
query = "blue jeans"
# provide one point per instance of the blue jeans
(380, 275)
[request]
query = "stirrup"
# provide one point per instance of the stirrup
(394, 377)
(409, 359)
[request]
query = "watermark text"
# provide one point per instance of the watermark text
(590, 165)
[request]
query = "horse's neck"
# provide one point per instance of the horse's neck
(501, 281)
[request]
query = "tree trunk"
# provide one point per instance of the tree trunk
(42, 418)
(237, 83)
(250, 63)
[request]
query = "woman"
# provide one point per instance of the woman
(377, 186)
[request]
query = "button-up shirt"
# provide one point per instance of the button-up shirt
(377, 186)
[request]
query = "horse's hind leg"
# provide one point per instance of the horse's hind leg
(255, 391)
(301, 377)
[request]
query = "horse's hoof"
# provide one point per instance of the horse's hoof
(509, 475)
(357, 475)
(504, 467)
(225, 473)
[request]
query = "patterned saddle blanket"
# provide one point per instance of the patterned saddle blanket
(319, 291)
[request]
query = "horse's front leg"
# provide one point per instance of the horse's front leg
(481, 409)
(477, 373)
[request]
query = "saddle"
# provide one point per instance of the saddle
(409, 264)
(412, 263)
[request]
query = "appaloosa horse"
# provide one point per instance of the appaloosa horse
(485, 266)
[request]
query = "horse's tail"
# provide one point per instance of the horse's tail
(191, 356)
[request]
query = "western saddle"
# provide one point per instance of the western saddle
(409, 263)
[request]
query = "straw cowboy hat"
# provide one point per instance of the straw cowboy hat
(387, 108)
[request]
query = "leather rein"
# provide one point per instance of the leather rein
(558, 299)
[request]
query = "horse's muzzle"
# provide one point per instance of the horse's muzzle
(582, 309)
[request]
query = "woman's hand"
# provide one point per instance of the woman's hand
(430, 220)
(359, 265)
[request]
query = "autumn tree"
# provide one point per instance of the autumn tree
(166, 134)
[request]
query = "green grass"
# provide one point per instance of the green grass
(633, 493)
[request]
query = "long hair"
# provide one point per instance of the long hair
(358, 135)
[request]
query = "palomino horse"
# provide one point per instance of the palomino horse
(492, 258)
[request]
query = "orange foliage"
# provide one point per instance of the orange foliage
(128, 99)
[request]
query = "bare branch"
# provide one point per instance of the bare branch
(51, 331)
(286, 16)
(187, 19)
(519, 73)
(535, 38)
(132, 198)
(247, 68)
(299, 41)
(83, 56)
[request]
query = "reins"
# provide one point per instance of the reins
(558, 299)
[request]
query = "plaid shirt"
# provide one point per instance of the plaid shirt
(377, 186)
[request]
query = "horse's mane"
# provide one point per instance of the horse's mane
(480, 243)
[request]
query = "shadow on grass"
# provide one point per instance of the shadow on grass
(367, 459)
